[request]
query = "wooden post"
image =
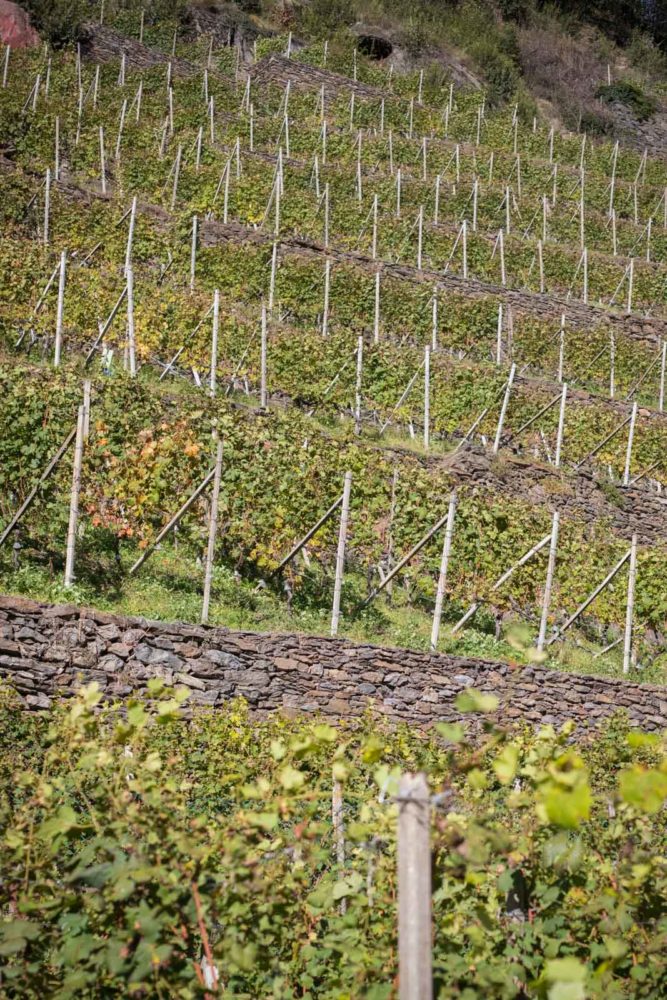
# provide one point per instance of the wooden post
(376, 318)
(612, 364)
(499, 336)
(551, 566)
(442, 577)
(212, 532)
(561, 426)
(272, 276)
(357, 387)
(47, 205)
(374, 244)
(427, 396)
(130, 234)
(262, 391)
(340, 554)
(326, 215)
(193, 253)
(225, 199)
(121, 125)
(60, 310)
(631, 280)
(501, 251)
(56, 163)
(436, 201)
(503, 410)
(129, 277)
(414, 889)
(420, 236)
(630, 607)
(74, 498)
(327, 294)
(214, 343)
(5, 68)
(177, 173)
(338, 831)
(561, 349)
(663, 362)
(628, 453)
(398, 193)
(434, 320)
(464, 234)
(103, 168)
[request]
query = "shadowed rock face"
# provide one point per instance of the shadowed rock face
(375, 46)
(15, 27)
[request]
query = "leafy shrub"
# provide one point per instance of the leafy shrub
(59, 21)
(642, 105)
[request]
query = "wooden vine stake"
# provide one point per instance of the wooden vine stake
(427, 397)
(628, 453)
(357, 386)
(129, 277)
(630, 608)
(442, 577)
(262, 391)
(47, 205)
(340, 554)
(212, 532)
(74, 497)
(338, 831)
(60, 310)
(548, 586)
(503, 409)
(214, 343)
(415, 974)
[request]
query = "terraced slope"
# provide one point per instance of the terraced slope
(386, 228)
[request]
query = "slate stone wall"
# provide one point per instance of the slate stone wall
(49, 651)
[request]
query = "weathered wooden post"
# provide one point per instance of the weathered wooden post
(129, 278)
(338, 824)
(427, 397)
(74, 498)
(214, 343)
(340, 554)
(442, 577)
(561, 427)
(630, 608)
(262, 367)
(47, 205)
(60, 310)
(212, 532)
(503, 409)
(193, 253)
(631, 437)
(414, 889)
(551, 566)
(357, 386)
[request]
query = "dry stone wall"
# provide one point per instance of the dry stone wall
(49, 651)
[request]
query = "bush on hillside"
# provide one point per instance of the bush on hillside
(642, 105)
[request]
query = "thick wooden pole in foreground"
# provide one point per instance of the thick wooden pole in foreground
(414, 889)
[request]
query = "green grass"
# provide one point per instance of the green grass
(169, 588)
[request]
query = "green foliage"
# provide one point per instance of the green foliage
(136, 843)
(642, 105)
(59, 21)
